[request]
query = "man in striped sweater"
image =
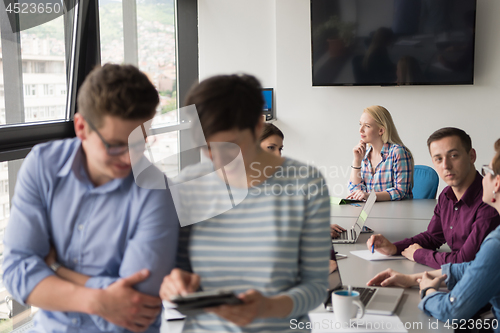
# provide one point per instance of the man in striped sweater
(270, 241)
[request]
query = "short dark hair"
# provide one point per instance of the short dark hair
(496, 160)
(117, 90)
(269, 130)
(226, 102)
(451, 131)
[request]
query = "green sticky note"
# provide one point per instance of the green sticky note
(363, 215)
(335, 201)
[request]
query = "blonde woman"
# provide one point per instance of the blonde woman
(381, 161)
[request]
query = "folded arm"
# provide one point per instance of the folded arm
(476, 284)
(31, 281)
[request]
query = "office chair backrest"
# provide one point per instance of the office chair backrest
(425, 182)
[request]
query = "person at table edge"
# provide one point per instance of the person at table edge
(381, 162)
(461, 219)
(471, 285)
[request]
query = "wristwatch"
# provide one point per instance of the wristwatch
(424, 291)
(55, 266)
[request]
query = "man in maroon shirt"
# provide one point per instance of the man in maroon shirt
(461, 219)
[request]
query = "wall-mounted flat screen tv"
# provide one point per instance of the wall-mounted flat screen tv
(268, 103)
(392, 42)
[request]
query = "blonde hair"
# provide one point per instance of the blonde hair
(384, 120)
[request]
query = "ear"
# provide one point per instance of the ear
(80, 127)
(381, 131)
(496, 186)
(472, 155)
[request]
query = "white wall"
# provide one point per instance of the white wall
(238, 36)
(271, 39)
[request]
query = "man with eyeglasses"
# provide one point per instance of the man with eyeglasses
(84, 242)
(461, 218)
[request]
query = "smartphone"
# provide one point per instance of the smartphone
(196, 302)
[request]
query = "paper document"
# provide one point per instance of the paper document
(325, 322)
(170, 312)
(368, 255)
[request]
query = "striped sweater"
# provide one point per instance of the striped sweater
(276, 241)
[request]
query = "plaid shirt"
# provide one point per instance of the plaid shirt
(393, 174)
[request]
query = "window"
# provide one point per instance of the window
(40, 86)
(29, 90)
(39, 67)
(41, 48)
(26, 67)
(48, 89)
(149, 42)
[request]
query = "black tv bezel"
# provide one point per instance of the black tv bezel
(455, 83)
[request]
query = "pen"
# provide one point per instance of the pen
(373, 247)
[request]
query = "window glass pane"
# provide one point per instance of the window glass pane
(164, 153)
(111, 30)
(155, 50)
(44, 78)
(41, 77)
(22, 315)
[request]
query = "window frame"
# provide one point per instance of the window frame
(18, 139)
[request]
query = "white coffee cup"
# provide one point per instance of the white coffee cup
(345, 306)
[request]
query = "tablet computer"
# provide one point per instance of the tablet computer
(196, 302)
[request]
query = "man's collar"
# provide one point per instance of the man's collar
(75, 159)
(470, 195)
(76, 164)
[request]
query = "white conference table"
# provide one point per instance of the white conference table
(395, 220)
(356, 271)
(421, 209)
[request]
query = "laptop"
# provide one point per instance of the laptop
(350, 236)
(379, 301)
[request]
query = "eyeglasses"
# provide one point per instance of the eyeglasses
(119, 149)
(486, 169)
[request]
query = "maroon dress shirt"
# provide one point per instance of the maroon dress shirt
(463, 224)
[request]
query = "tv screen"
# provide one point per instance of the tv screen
(392, 42)
(268, 103)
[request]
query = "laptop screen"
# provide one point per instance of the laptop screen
(367, 207)
(334, 281)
